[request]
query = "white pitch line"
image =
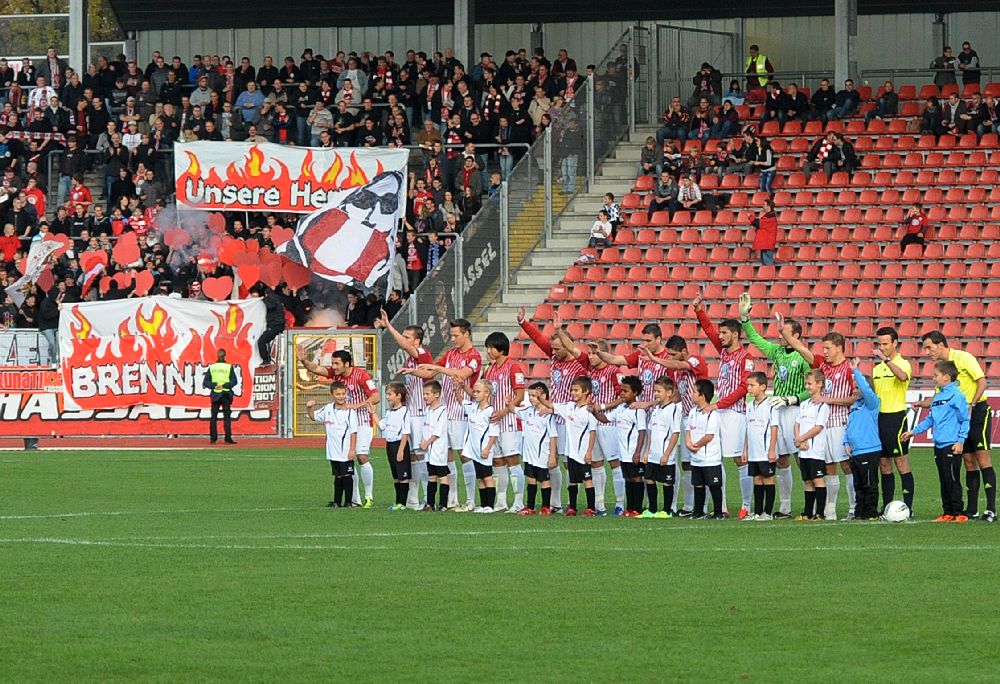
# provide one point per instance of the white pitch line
(89, 514)
(367, 547)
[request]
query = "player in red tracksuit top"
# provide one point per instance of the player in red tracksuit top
(735, 365)
(839, 392)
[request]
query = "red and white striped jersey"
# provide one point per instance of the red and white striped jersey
(684, 381)
(414, 385)
(506, 378)
(839, 385)
(453, 397)
(360, 387)
(607, 382)
(648, 371)
(734, 367)
(563, 375)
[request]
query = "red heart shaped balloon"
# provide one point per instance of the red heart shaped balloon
(63, 240)
(126, 251)
(249, 274)
(280, 236)
(105, 284)
(88, 260)
(217, 223)
(123, 278)
(270, 273)
(143, 283)
(217, 289)
(176, 238)
(296, 275)
(45, 280)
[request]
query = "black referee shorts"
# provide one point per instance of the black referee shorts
(891, 427)
(400, 469)
(980, 426)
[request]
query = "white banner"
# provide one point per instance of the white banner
(243, 176)
(38, 257)
(155, 350)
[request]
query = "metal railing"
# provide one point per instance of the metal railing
(920, 77)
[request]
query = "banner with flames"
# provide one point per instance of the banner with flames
(156, 350)
(237, 176)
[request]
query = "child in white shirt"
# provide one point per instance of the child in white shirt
(811, 421)
(341, 439)
(581, 434)
(702, 437)
(395, 428)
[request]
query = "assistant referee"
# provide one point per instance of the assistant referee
(892, 379)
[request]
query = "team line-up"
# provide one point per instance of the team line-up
(664, 432)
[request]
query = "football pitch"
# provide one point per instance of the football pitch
(226, 565)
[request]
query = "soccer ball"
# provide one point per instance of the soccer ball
(896, 511)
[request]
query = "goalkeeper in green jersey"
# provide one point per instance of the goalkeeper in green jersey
(790, 371)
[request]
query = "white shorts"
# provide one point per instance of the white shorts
(606, 448)
(509, 443)
(561, 437)
(734, 431)
(364, 443)
(416, 434)
(835, 452)
(785, 417)
(457, 430)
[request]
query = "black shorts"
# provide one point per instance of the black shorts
(437, 471)
(706, 476)
(812, 469)
(760, 469)
(891, 426)
(400, 469)
(342, 468)
(482, 471)
(536, 473)
(630, 470)
(578, 472)
(664, 474)
(980, 425)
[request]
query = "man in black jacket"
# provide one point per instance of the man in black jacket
(798, 105)
(822, 100)
(776, 104)
(274, 319)
(886, 105)
(707, 83)
(48, 322)
(845, 102)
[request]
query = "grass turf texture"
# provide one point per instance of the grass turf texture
(225, 565)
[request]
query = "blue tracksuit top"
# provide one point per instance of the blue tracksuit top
(949, 417)
(862, 420)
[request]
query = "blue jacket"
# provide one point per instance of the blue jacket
(862, 420)
(949, 417)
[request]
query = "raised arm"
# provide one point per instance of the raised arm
(768, 349)
(867, 393)
(706, 323)
(406, 345)
(534, 333)
(794, 342)
(312, 367)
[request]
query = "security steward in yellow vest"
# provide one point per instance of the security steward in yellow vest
(758, 69)
(221, 379)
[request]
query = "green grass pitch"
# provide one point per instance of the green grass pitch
(225, 565)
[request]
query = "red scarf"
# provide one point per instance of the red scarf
(571, 88)
(467, 176)
(824, 151)
(491, 107)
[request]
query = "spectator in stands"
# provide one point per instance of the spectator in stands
(356, 314)
(758, 67)
(320, 120)
(650, 158)
(990, 118)
(739, 160)
(822, 101)
(701, 121)
(415, 251)
(886, 105)
(776, 104)
(845, 102)
(848, 158)
(664, 196)
(974, 111)
(735, 94)
(600, 232)
(968, 64)
(798, 104)
(765, 161)
(707, 84)
(944, 68)
(931, 118)
(765, 237)
(689, 194)
(725, 121)
(614, 212)
(914, 227)
(676, 123)
(951, 114)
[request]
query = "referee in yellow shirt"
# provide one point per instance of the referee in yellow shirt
(891, 379)
(972, 383)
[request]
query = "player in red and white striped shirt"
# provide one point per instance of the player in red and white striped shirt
(606, 380)
(362, 398)
(648, 372)
(507, 378)
(839, 393)
(461, 363)
(566, 365)
(411, 341)
(686, 369)
(735, 365)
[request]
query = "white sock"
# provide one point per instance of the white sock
(469, 477)
(618, 480)
(452, 485)
(678, 477)
(517, 478)
(849, 483)
(355, 496)
(368, 478)
(600, 476)
(832, 490)
(418, 483)
(746, 486)
(688, 491)
(555, 478)
(725, 506)
(785, 490)
(500, 476)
